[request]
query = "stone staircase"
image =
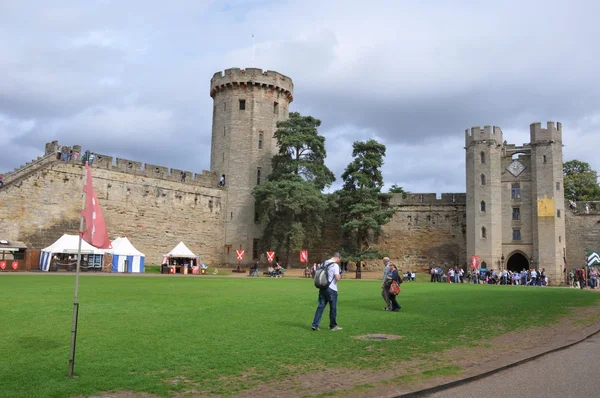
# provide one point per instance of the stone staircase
(27, 169)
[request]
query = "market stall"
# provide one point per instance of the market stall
(63, 254)
(179, 260)
(125, 257)
(12, 255)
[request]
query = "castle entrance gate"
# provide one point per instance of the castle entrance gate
(517, 262)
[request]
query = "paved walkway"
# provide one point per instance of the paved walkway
(568, 373)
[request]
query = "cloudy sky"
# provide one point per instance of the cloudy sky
(131, 78)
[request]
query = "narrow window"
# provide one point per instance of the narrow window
(276, 108)
(258, 176)
(558, 186)
(516, 234)
(482, 205)
(516, 215)
(223, 131)
(483, 233)
(224, 106)
(242, 105)
(544, 159)
(483, 179)
(515, 192)
(260, 140)
(255, 245)
(231, 216)
(558, 213)
(482, 156)
(559, 238)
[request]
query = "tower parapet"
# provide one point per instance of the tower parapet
(487, 133)
(251, 77)
(552, 132)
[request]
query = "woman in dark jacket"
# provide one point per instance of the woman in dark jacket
(393, 276)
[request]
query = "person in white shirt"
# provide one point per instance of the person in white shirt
(329, 294)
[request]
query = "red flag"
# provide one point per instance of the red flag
(95, 232)
(303, 256)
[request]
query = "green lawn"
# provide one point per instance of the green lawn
(139, 333)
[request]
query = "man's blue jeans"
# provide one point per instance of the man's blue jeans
(326, 296)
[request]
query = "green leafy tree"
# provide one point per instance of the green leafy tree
(301, 151)
(581, 181)
(397, 189)
(290, 204)
(364, 208)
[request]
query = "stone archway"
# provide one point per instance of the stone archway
(517, 262)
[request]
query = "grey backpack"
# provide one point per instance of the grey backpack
(321, 276)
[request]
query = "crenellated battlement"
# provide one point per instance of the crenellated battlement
(251, 77)
(552, 132)
(428, 199)
(487, 133)
(105, 162)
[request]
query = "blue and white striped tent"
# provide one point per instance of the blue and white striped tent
(126, 258)
(66, 244)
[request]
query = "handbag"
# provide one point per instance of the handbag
(395, 288)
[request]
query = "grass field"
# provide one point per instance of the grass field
(141, 333)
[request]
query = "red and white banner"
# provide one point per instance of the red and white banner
(475, 261)
(3, 265)
(303, 256)
(239, 254)
(95, 227)
(14, 265)
(270, 256)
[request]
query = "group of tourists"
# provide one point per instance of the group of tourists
(66, 155)
(454, 275)
(525, 277)
(580, 278)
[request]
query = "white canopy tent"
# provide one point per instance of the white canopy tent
(66, 244)
(182, 251)
(126, 258)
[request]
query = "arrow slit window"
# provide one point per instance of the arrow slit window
(258, 176)
(255, 245)
(483, 179)
(260, 140)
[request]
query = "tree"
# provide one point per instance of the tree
(301, 151)
(290, 204)
(581, 181)
(364, 209)
(396, 189)
(291, 210)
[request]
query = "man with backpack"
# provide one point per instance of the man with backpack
(326, 279)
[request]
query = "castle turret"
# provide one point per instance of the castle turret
(484, 199)
(548, 198)
(247, 104)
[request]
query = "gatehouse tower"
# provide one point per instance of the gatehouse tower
(515, 200)
(247, 104)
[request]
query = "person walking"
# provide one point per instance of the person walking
(329, 294)
(385, 291)
(392, 277)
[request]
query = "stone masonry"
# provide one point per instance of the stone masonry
(515, 200)
(247, 104)
(511, 216)
(148, 204)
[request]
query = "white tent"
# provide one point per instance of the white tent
(182, 251)
(126, 258)
(66, 244)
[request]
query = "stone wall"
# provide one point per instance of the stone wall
(583, 232)
(154, 212)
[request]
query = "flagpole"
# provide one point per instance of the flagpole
(75, 299)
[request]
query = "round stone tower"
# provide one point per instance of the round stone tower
(247, 104)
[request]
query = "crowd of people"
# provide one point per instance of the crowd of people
(525, 277)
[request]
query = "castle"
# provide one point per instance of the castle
(512, 214)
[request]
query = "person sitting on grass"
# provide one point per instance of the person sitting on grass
(271, 271)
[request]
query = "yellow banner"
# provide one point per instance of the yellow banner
(545, 207)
